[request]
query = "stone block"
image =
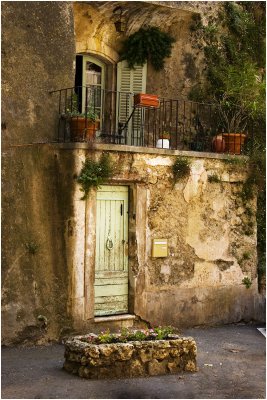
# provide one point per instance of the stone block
(173, 367)
(146, 354)
(136, 368)
(160, 354)
(106, 350)
(93, 351)
(174, 352)
(190, 366)
(124, 351)
(156, 368)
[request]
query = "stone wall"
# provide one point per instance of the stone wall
(211, 237)
(117, 360)
(38, 51)
(96, 34)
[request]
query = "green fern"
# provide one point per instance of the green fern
(147, 44)
(94, 174)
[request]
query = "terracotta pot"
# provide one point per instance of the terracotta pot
(218, 144)
(80, 131)
(146, 100)
(234, 142)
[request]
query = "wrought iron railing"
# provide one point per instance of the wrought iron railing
(90, 113)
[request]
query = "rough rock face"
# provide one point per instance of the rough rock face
(205, 222)
(38, 50)
(116, 360)
(96, 34)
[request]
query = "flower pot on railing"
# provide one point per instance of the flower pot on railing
(234, 142)
(146, 100)
(82, 129)
(218, 144)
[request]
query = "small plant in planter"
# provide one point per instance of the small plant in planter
(239, 101)
(83, 125)
(127, 335)
(130, 353)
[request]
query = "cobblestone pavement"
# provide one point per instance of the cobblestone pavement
(231, 361)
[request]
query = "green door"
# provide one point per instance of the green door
(111, 264)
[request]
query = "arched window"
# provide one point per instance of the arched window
(94, 79)
(90, 80)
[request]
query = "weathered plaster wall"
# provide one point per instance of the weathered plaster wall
(38, 51)
(211, 248)
(96, 34)
(37, 56)
(47, 231)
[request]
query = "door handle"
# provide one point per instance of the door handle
(109, 244)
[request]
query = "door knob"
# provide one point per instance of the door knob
(109, 244)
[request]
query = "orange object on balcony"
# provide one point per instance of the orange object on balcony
(234, 142)
(146, 100)
(82, 130)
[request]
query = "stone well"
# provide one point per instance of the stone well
(136, 358)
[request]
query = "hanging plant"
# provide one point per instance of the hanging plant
(147, 44)
(94, 174)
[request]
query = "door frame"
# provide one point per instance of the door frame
(80, 239)
(89, 254)
(111, 193)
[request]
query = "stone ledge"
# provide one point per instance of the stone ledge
(145, 150)
(114, 318)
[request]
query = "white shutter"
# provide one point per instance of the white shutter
(129, 81)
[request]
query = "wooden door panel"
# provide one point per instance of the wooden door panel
(111, 305)
(111, 263)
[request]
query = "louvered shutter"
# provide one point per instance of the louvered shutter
(130, 81)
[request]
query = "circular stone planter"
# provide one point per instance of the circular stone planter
(136, 358)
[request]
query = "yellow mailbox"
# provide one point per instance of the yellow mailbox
(159, 247)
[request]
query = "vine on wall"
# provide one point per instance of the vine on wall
(94, 173)
(147, 44)
(233, 46)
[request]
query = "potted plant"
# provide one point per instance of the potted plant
(129, 353)
(83, 125)
(239, 102)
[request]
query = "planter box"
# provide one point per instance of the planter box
(146, 100)
(82, 129)
(234, 142)
(137, 358)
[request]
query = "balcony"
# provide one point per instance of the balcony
(91, 114)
